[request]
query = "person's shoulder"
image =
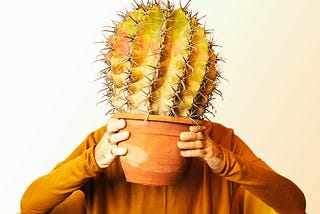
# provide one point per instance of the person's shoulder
(222, 129)
(100, 131)
(96, 134)
(218, 128)
(220, 133)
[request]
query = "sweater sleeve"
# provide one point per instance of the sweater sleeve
(242, 166)
(48, 191)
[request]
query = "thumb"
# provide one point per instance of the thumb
(119, 151)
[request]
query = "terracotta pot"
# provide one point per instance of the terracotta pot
(153, 157)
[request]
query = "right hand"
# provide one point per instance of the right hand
(107, 149)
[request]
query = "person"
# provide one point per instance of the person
(224, 176)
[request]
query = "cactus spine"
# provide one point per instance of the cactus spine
(160, 62)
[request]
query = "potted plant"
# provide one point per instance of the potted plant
(161, 76)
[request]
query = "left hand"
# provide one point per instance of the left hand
(107, 149)
(196, 143)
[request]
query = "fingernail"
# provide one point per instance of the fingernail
(191, 128)
(122, 122)
(122, 150)
(124, 134)
(182, 153)
(182, 136)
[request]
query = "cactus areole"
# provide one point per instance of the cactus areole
(160, 62)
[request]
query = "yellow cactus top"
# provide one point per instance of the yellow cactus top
(161, 62)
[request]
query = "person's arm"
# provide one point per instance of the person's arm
(275, 190)
(240, 165)
(47, 191)
(96, 152)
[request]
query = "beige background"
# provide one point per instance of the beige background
(48, 93)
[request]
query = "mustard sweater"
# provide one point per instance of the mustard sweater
(245, 184)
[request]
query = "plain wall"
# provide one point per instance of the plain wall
(49, 96)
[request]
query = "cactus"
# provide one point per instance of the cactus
(160, 62)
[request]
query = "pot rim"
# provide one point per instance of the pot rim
(162, 118)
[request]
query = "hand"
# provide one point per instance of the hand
(107, 149)
(196, 143)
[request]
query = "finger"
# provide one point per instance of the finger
(118, 137)
(115, 124)
(191, 136)
(199, 144)
(193, 153)
(119, 151)
(197, 128)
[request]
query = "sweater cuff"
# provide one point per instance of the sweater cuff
(223, 161)
(233, 167)
(91, 165)
(230, 165)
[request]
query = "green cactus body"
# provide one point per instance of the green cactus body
(121, 64)
(172, 64)
(207, 86)
(195, 69)
(145, 57)
(161, 62)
